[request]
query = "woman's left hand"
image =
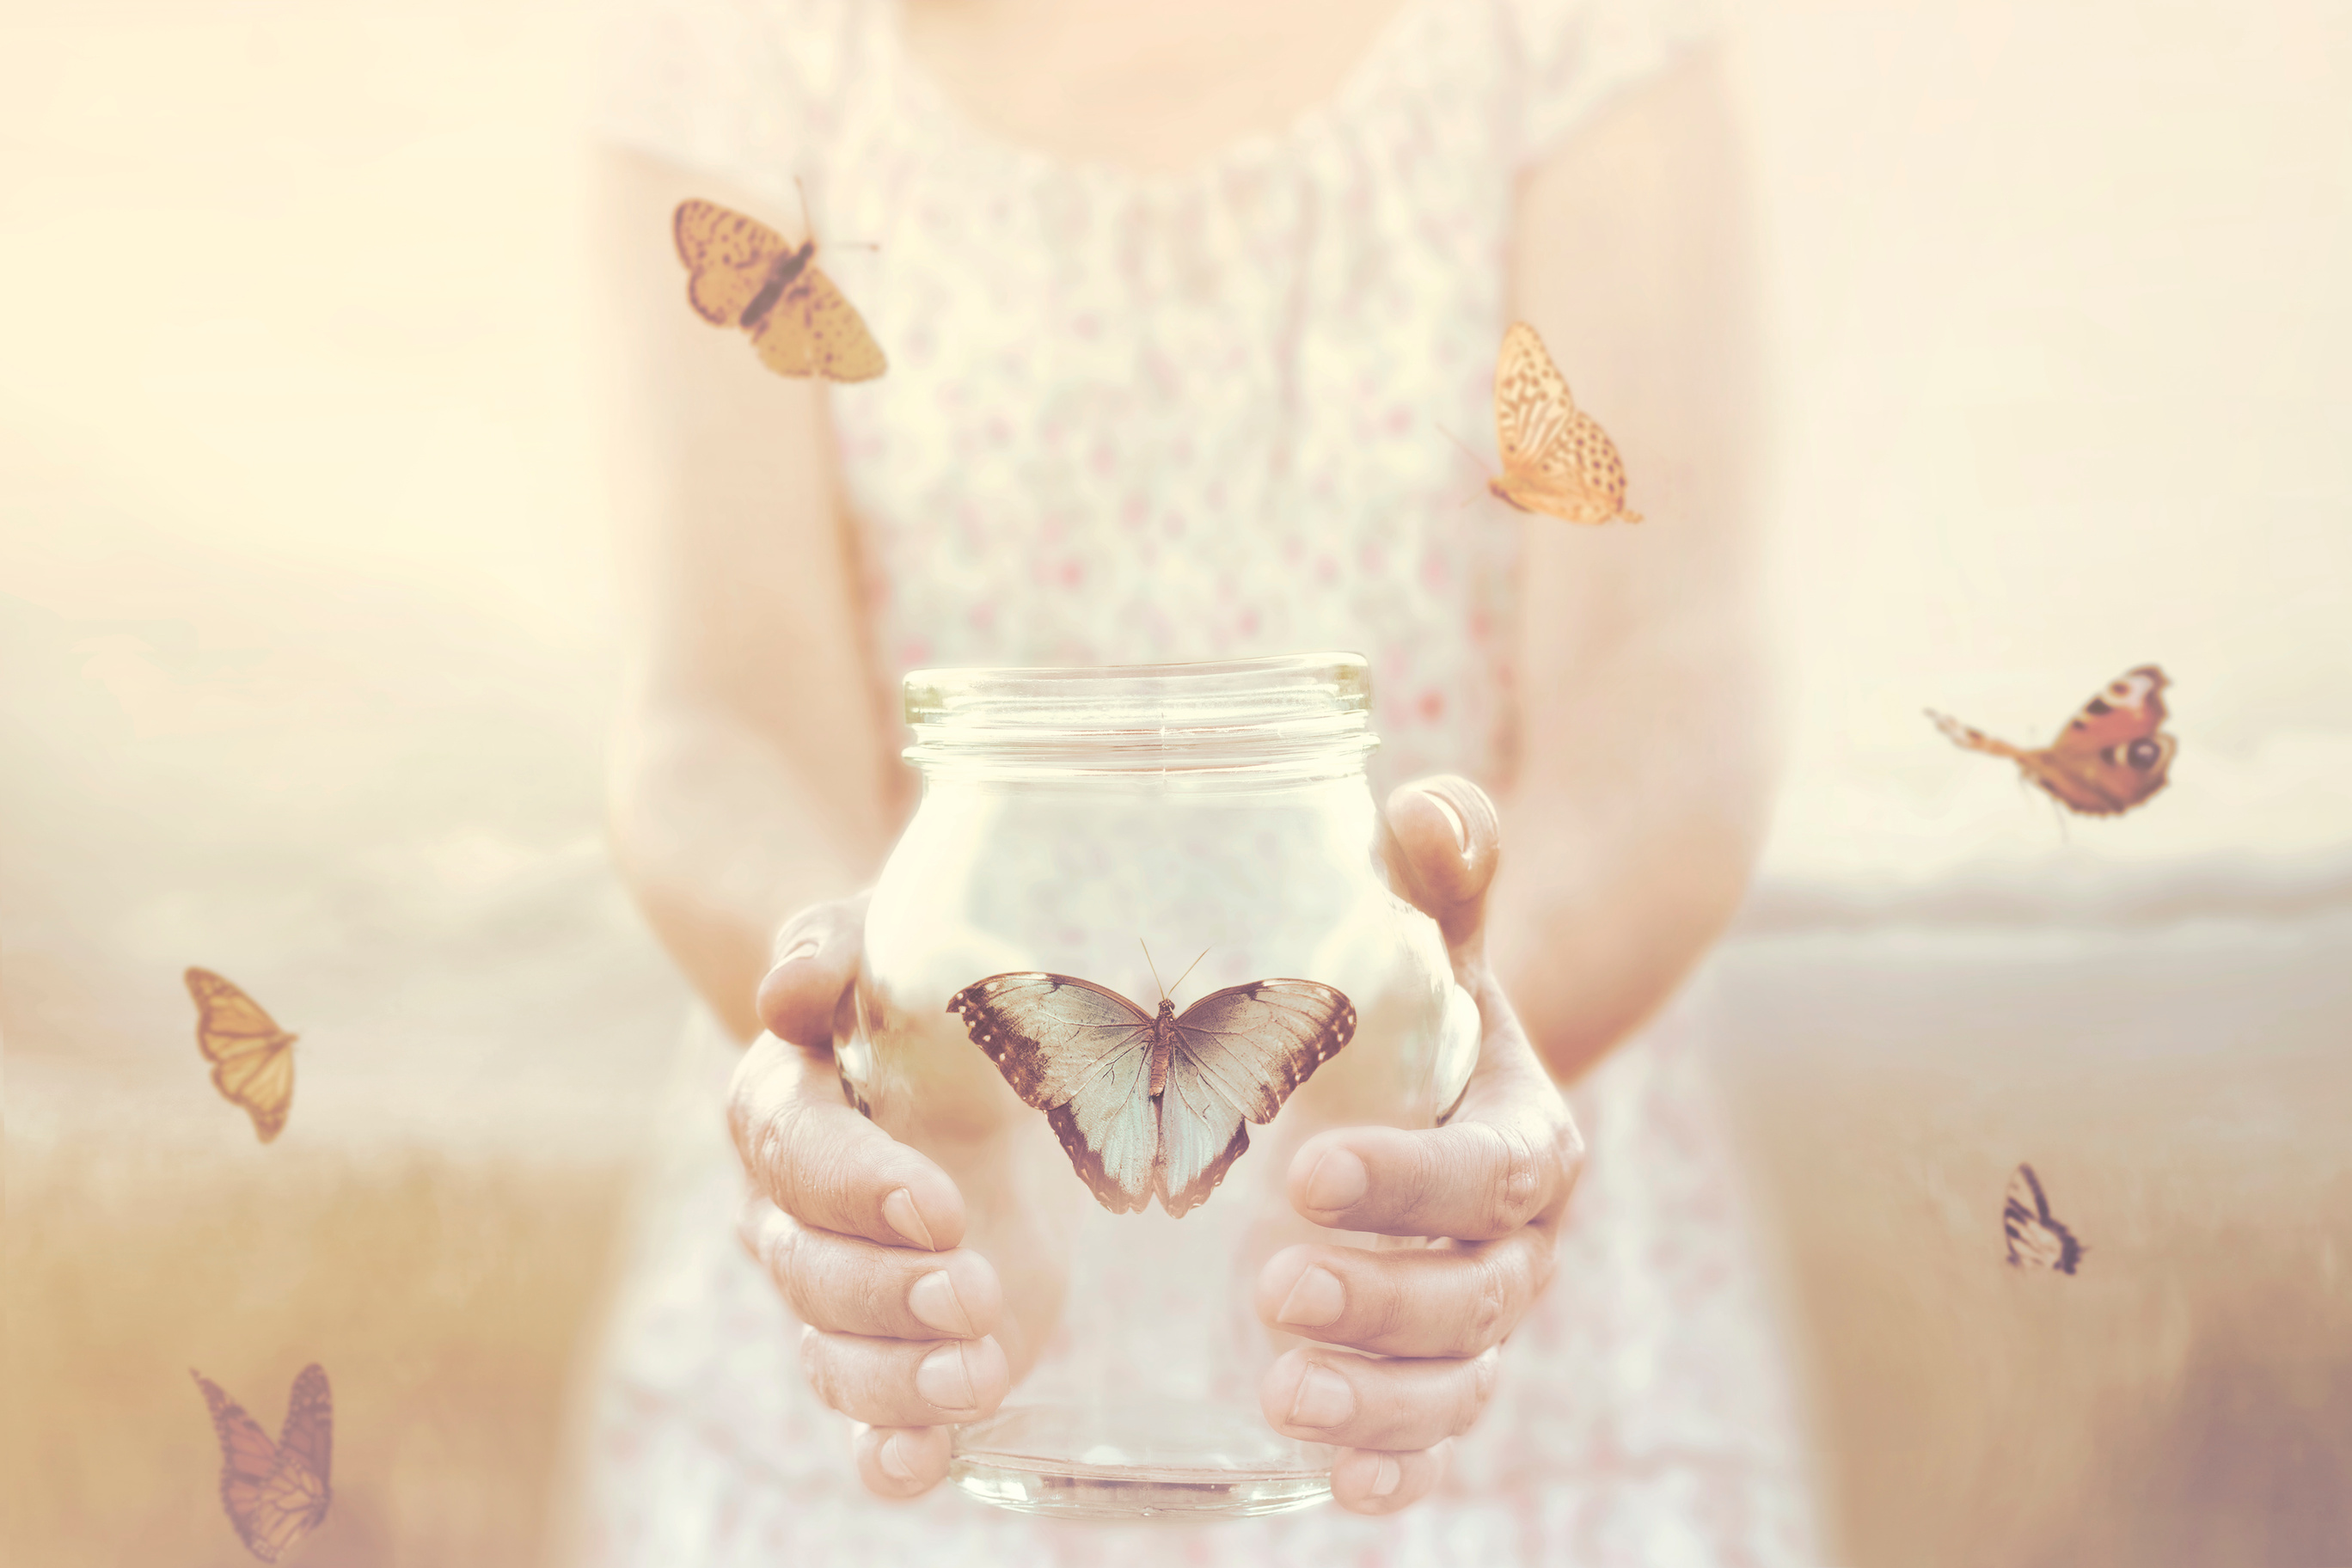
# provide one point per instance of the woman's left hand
(1489, 1186)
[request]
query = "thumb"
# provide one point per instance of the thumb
(1444, 841)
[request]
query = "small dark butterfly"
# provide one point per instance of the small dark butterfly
(1146, 1104)
(2036, 1239)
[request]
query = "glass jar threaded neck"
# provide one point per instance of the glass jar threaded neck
(1289, 717)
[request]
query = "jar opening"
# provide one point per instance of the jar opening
(1288, 717)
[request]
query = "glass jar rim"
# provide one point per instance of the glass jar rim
(1285, 716)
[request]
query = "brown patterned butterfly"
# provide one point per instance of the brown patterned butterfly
(2110, 756)
(743, 274)
(252, 1058)
(1146, 1104)
(276, 1493)
(1556, 458)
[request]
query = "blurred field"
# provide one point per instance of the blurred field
(444, 1297)
(2186, 1398)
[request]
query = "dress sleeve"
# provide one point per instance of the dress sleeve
(1569, 58)
(740, 89)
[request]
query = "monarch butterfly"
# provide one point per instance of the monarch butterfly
(1556, 458)
(276, 1493)
(2036, 1239)
(252, 1058)
(743, 274)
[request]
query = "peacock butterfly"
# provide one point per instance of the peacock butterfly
(2110, 756)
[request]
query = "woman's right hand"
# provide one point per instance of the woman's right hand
(862, 1233)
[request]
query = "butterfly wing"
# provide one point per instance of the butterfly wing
(252, 1058)
(310, 1429)
(728, 257)
(2036, 1238)
(2112, 755)
(1556, 458)
(1083, 1056)
(270, 1494)
(1239, 1054)
(813, 330)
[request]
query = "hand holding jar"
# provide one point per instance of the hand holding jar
(930, 1284)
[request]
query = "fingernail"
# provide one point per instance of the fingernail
(900, 1210)
(942, 1380)
(932, 1298)
(1340, 1182)
(1317, 1299)
(1454, 820)
(1387, 1476)
(806, 947)
(892, 1458)
(1324, 1398)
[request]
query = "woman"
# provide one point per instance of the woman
(1175, 299)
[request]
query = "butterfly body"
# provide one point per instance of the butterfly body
(1144, 1103)
(2112, 755)
(276, 1493)
(1557, 460)
(252, 1058)
(741, 273)
(2036, 1237)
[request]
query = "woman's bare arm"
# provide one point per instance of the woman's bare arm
(1643, 783)
(750, 776)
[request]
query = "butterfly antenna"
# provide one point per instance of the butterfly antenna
(1155, 968)
(1191, 966)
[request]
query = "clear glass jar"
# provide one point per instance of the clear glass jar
(1126, 826)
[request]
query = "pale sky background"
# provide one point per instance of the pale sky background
(311, 610)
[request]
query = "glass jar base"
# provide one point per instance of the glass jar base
(1157, 1460)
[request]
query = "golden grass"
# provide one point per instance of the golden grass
(2186, 1398)
(446, 1300)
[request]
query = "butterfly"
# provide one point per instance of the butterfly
(2035, 1237)
(252, 1058)
(2110, 756)
(1556, 458)
(743, 274)
(1146, 1104)
(276, 1493)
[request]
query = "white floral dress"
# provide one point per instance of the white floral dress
(1133, 418)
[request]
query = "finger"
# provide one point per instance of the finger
(1473, 1179)
(820, 1161)
(903, 1383)
(847, 1285)
(1444, 841)
(1434, 1301)
(900, 1461)
(1367, 1480)
(816, 961)
(1330, 1397)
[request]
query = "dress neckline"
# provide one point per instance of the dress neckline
(1365, 77)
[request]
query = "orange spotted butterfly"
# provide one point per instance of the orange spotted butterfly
(252, 1058)
(2036, 1239)
(1556, 458)
(743, 274)
(2110, 756)
(276, 1493)
(1144, 1103)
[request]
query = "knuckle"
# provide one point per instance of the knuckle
(1515, 1183)
(1489, 1318)
(1476, 1387)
